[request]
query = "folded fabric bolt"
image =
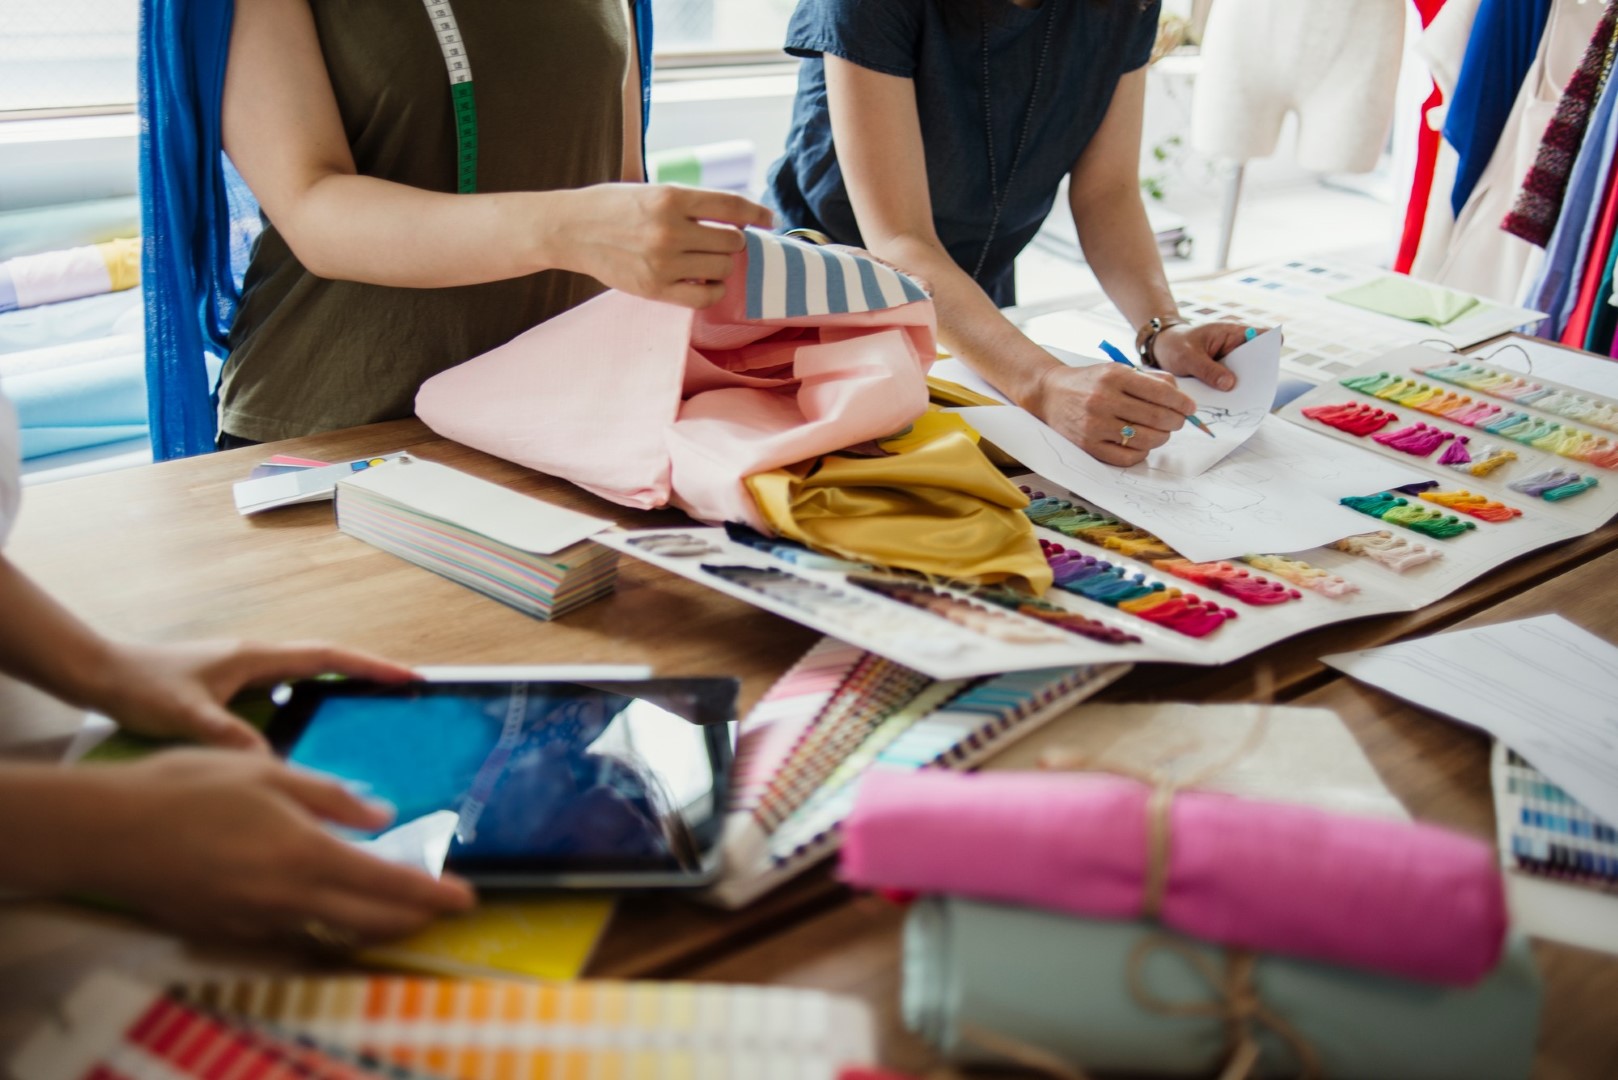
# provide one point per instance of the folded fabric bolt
(1409, 299)
(645, 403)
(1410, 900)
(932, 503)
(1132, 997)
(31, 280)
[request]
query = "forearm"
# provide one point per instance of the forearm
(44, 644)
(1119, 245)
(47, 815)
(359, 228)
(969, 324)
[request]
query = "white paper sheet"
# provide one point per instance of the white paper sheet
(1276, 493)
(1232, 415)
(1544, 687)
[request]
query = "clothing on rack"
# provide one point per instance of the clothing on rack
(1540, 201)
(1427, 140)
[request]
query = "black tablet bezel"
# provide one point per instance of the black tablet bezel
(715, 700)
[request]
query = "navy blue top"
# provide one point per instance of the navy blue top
(1093, 43)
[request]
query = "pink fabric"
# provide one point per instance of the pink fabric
(646, 403)
(1411, 900)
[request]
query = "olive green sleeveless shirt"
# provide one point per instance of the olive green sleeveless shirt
(310, 354)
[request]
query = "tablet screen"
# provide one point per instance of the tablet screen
(542, 778)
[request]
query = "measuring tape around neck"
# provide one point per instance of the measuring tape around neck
(460, 93)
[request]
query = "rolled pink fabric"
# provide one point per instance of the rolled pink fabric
(1412, 900)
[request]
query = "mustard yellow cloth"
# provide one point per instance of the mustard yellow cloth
(935, 504)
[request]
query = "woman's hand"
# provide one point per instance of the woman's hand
(233, 845)
(1195, 351)
(180, 691)
(1093, 406)
(658, 241)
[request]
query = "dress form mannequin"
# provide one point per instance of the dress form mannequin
(1335, 63)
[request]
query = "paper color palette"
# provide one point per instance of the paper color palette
(520, 550)
(453, 1030)
(841, 712)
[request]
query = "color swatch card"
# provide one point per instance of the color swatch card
(841, 713)
(342, 1028)
(934, 629)
(294, 482)
(542, 936)
(1325, 336)
(536, 557)
(1561, 860)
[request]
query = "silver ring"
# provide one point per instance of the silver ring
(1126, 433)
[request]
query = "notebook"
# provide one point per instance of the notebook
(841, 711)
(341, 1027)
(521, 551)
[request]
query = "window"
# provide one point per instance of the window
(67, 54)
(80, 54)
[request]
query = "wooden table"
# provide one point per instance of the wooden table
(159, 553)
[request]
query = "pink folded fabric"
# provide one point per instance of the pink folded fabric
(648, 404)
(1411, 900)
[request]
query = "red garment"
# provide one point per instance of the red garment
(1421, 184)
(1595, 265)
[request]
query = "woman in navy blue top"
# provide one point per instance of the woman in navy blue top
(936, 133)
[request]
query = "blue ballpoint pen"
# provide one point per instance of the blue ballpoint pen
(1116, 355)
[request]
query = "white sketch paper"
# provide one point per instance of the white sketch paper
(1232, 415)
(1267, 496)
(1545, 687)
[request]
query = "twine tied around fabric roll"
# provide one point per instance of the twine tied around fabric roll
(1237, 1004)
(1164, 788)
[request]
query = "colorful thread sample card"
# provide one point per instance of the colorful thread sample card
(841, 712)
(345, 1028)
(519, 550)
(942, 632)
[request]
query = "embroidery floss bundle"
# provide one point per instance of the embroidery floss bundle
(1478, 506)
(1101, 581)
(1303, 575)
(1419, 440)
(1553, 484)
(1387, 549)
(1231, 580)
(1356, 418)
(1397, 509)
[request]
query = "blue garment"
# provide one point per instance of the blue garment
(939, 46)
(197, 216)
(1505, 38)
(1569, 246)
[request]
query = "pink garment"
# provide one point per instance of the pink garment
(1411, 900)
(646, 403)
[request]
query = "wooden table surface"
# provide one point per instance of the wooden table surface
(159, 552)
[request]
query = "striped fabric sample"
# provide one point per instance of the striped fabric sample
(788, 279)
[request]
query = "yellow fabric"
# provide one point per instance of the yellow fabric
(123, 262)
(936, 505)
(945, 392)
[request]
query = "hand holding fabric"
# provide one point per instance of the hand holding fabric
(657, 241)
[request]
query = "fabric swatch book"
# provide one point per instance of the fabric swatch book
(841, 712)
(111, 1028)
(536, 557)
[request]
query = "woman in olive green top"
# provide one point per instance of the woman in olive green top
(373, 273)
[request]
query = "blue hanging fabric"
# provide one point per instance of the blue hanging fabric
(198, 219)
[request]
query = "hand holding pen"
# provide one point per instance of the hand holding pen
(1116, 355)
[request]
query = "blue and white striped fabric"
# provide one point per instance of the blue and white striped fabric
(788, 278)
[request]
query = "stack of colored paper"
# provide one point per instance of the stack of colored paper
(534, 556)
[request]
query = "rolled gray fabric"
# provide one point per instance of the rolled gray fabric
(977, 975)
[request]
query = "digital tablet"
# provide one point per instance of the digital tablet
(574, 784)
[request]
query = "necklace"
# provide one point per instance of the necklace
(997, 195)
(460, 93)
